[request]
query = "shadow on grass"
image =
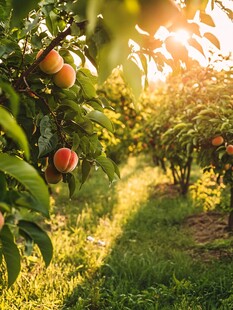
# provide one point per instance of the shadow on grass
(148, 265)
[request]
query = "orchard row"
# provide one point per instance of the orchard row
(191, 118)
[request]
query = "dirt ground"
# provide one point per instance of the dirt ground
(212, 238)
(208, 226)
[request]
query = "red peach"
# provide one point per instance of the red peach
(2, 221)
(65, 160)
(65, 78)
(229, 149)
(52, 62)
(52, 175)
(217, 141)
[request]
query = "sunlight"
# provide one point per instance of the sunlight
(182, 36)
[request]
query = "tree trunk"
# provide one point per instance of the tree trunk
(186, 176)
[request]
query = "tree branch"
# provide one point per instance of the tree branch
(55, 42)
(31, 93)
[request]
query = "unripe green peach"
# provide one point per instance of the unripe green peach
(65, 78)
(65, 160)
(52, 175)
(52, 62)
(2, 221)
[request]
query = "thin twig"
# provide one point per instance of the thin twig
(28, 90)
(55, 42)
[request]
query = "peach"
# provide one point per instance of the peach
(227, 166)
(52, 175)
(52, 62)
(217, 141)
(2, 221)
(65, 160)
(229, 149)
(65, 78)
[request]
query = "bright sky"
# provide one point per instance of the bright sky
(224, 27)
(223, 31)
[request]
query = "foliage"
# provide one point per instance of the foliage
(125, 116)
(206, 192)
(179, 118)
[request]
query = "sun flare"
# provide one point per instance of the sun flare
(182, 36)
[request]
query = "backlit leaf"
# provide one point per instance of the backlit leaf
(193, 42)
(107, 166)
(40, 237)
(212, 38)
(101, 119)
(11, 254)
(206, 19)
(13, 130)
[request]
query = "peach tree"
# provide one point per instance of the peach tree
(191, 118)
(49, 103)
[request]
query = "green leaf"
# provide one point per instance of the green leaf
(86, 125)
(101, 119)
(21, 9)
(87, 86)
(212, 38)
(47, 144)
(79, 53)
(71, 184)
(86, 168)
(29, 177)
(4, 206)
(11, 254)
(13, 130)
(40, 237)
(12, 96)
(132, 75)
(206, 19)
(71, 104)
(48, 140)
(25, 200)
(76, 141)
(117, 171)
(28, 243)
(3, 185)
(107, 166)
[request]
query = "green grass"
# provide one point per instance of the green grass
(140, 257)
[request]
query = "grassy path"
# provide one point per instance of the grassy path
(122, 247)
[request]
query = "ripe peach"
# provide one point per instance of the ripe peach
(65, 78)
(217, 141)
(52, 175)
(227, 166)
(2, 221)
(65, 160)
(229, 149)
(52, 62)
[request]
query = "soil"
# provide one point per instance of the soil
(208, 226)
(212, 238)
(209, 230)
